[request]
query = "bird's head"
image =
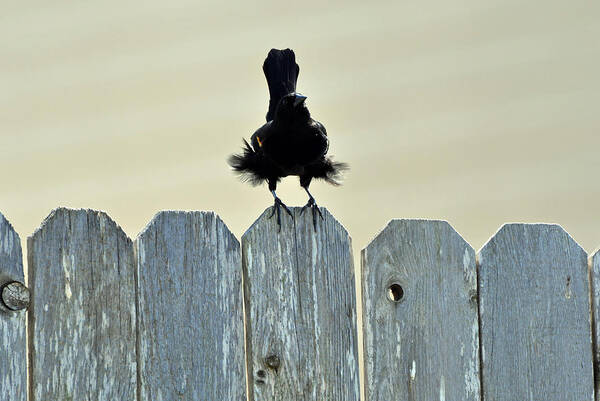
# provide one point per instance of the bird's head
(292, 107)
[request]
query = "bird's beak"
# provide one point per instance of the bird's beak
(299, 99)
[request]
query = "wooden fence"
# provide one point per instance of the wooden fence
(186, 313)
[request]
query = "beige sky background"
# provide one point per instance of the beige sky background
(474, 112)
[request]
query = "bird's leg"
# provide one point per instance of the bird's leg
(313, 205)
(277, 209)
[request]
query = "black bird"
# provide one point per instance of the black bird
(291, 142)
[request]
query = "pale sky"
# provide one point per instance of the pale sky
(474, 112)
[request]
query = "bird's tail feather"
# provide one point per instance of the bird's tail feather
(248, 165)
(331, 171)
(281, 71)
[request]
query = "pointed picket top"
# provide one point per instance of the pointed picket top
(509, 230)
(397, 224)
(13, 352)
(300, 308)
(535, 315)
(420, 313)
(14, 296)
(11, 256)
(82, 321)
(191, 327)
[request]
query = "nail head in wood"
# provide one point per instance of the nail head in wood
(15, 296)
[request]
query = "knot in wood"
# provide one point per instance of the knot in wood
(15, 296)
(273, 361)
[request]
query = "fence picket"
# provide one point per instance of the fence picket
(82, 320)
(13, 354)
(190, 309)
(535, 315)
(421, 334)
(300, 309)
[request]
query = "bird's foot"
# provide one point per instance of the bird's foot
(315, 210)
(277, 210)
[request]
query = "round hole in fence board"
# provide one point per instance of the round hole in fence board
(395, 292)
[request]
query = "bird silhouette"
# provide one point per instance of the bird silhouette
(290, 143)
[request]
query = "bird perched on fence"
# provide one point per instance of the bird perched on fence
(291, 142)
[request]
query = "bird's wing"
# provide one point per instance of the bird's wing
(320, 127)
(281, 71)
(324, 142)
(313, 144)
(260, 136)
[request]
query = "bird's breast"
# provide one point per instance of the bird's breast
(296, 149)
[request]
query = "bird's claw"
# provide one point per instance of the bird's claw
(277, 209)
(313, 205)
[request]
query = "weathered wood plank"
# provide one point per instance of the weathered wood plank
(300, 303)
(535, 315)
(13, 352)
(421, 332)
(82, 320)
(594, 264)
(190, 309)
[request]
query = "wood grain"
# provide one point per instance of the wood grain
(82, 321)
(13, 352)
(535, 315)
(421, 342)
(190, 309)
(300, 309)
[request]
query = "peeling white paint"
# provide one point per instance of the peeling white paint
(314, 250)
(351, 364)
(315, 297)
(225, 350)
(413, 370)
(249, 254)
(442, 388)
(66, 267)
(469, 273)
(472, 373)
(104, 321)
(466, 258)
(102, 223)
